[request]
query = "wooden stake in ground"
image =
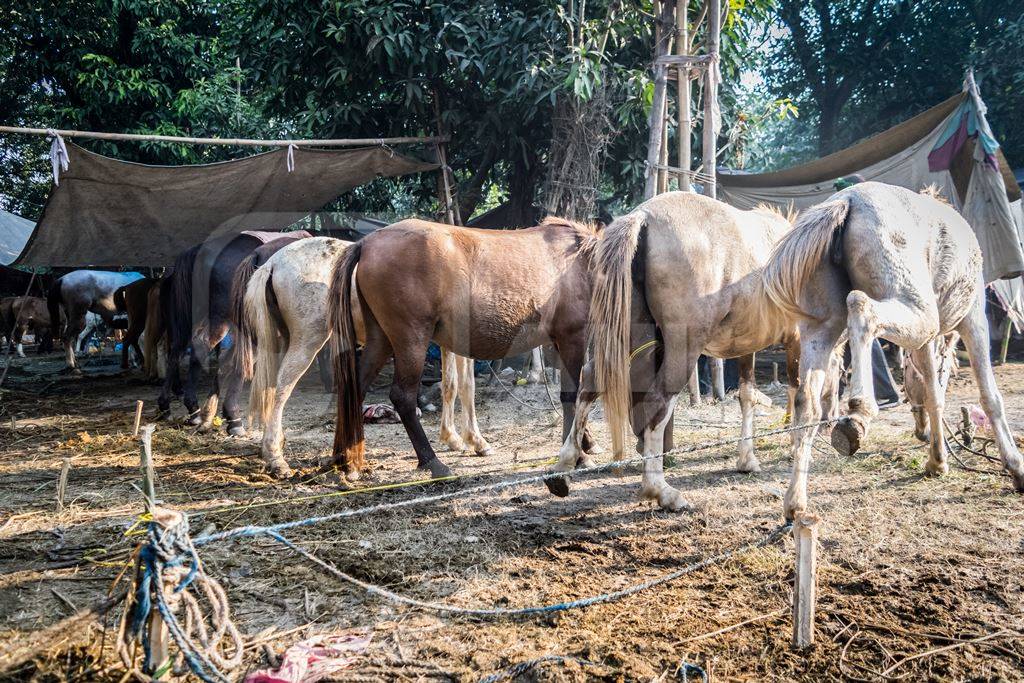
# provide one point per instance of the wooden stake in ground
(62, 483)
(805, 535)
(159, 639)
(138, 419)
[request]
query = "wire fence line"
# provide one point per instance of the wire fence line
(169, 547)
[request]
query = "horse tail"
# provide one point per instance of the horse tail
(610, 317)
(120, 299)
(153, 332)
(236, 307)
(261, 328)
(176, 301)
(817, 235)
(53, 302)
(349, 445)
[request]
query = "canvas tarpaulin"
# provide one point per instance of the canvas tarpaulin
(949, 146)
(14, 232)
(110, 213)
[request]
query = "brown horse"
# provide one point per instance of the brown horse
(483, 294)
(19, 314)
(133, 300)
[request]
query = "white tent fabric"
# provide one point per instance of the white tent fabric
(901, 156)
(14, 233)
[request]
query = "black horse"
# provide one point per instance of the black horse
(196, 303)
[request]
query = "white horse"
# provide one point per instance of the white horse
(285, 319)
(882, 261)
(677, 277)
(81, 292)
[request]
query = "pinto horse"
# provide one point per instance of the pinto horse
(195, 300)
(282, 323)
(85, 291)
(133, 301)
(483, 294)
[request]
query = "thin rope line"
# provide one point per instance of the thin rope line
(253, 530)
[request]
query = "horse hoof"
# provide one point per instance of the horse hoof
(163, 415)
(485, 453)
(584, 461)
(749, 467)
(236, 431)
(558, 486)
(436, 468)
(845, 437)
(194, 422)
(280, 471)
(594, 450)
(924, 436)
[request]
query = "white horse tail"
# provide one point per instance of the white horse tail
(817, 236)
(260, 327)
(610, 317)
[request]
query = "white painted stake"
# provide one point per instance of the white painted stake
(805, 536)
(62, 483)
(138, 419)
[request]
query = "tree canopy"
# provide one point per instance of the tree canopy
(827, 73)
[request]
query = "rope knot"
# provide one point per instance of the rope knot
(170, 582)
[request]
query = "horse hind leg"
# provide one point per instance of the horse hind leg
(573, 454)
(409, 355)
(867, 319)
(934, 403)
(747, 461)
(974, 332)
(449, 390)
(467, 397)
(297, 360)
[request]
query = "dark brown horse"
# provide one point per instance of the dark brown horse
(133, 300)
(196, 300)
(483, 294)
(21, 314)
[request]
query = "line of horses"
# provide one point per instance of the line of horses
(679, 276)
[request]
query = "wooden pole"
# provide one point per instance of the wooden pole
(235, 142)
(710, 142)
(446, 185)
(805, 536)
(694, 385)
(148, 473)
(62, 483)
(656, 120)
(138, 419)
(775, 373)
(1005, 348)
(159, 638)
(683, 117)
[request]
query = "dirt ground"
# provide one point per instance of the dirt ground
(919, 578)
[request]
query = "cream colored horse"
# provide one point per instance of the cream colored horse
(681, 274)
(882, 261)
(285, 319)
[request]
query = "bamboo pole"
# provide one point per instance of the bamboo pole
(684, 122)
(234, 142)
(710, 152)
(1005, 347)
(656, 120)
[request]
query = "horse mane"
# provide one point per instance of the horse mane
(789, 215)
(586, 234)
(935, 192)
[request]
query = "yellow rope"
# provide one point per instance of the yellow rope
(640, 349)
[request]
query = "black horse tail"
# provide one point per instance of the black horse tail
(349, 444)
(176, 301)
(53, 303)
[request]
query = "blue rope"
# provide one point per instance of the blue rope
(505, 612)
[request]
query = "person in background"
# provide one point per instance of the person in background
(885, 388)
